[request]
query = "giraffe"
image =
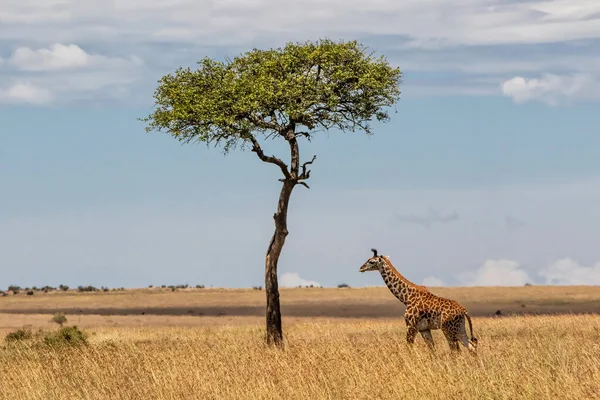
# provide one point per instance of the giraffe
(424, 310)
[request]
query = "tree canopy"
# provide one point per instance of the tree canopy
(299, 89)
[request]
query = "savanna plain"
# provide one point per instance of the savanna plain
(341, 343)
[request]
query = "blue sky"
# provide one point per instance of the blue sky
(488, 174)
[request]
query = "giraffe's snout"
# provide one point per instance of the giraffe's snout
(368, 266)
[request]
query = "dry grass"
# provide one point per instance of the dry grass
(135, 298)
(374, 302)
(519, 358)
(207, 344)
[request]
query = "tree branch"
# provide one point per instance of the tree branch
(304, 184)
(269, 159)
(306, 173)
(304, 134)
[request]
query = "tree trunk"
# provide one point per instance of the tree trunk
(274, 330)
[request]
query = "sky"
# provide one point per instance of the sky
(487, 174)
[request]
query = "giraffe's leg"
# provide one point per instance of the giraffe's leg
(411, 333)
(464, 340)
(426, 334)
(411, 328)
(452, 339)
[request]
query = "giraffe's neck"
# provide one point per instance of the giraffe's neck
(400, 287)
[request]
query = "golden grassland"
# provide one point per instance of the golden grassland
(519, 358)
(223, 357)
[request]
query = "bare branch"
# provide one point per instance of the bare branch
(304, 184)
(306, 173)
(269, 159)
(307, 135)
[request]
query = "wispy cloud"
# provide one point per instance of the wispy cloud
(173, 240)
(439, 23)
(427, 220)
(513, 223)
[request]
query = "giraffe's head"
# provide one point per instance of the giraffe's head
(374, 263)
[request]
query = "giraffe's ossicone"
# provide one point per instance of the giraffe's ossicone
(424, 310)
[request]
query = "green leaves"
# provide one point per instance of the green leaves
(305, 87)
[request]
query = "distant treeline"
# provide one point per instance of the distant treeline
(14, 289)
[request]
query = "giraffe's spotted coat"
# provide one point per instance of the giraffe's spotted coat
(424, 310)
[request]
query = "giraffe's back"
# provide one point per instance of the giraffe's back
(433, 311)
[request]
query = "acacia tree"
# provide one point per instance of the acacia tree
(288, 93)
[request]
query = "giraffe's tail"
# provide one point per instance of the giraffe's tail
(473, 338)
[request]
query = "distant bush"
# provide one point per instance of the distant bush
(64, 288)
(343, 285)
(199, 286)
(19, 335)
(104, 289)
(47, 289)
(257, 287)
(59, 318)
(150, 286)
(88, 288)
(65, 336)
(15, 289)
(30, 293)
(163, 286)
(3, 293)
(528, 284)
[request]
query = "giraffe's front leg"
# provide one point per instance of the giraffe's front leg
(411, 329)
(411, 334)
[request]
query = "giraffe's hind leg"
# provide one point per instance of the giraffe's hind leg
(452, 341)
(464, 340)
(451, 335)
(426, 334)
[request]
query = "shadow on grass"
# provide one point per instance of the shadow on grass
(332, 310)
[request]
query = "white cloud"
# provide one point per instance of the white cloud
(498, 273)
(564, 271)
(423, 32)
(569, 272)
(432, 281)
(58, 56)
(551, 89)
(25, 93)
(293, 279)
(68, 73)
